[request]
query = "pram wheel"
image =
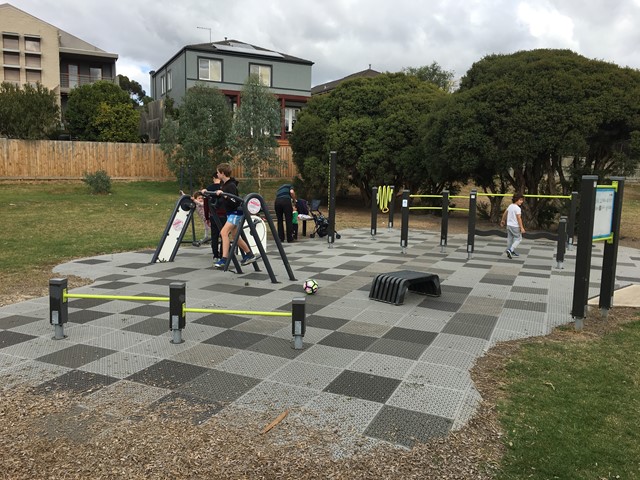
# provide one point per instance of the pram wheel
(338, 236)
(312, 235)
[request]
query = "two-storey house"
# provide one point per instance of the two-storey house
(227, 65)
(35, 51)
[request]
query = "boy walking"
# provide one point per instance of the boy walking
(512, 218)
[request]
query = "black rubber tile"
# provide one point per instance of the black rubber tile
(76, 355)
(76, 381)
(235, 339)
(328, 323)
(148, 310)
(220, 320)
(91, 261)
(167, 374)
(398, 348)
(278, 347)
(471, 325)
(353, 265)
(134, 266)
(86, 302)
(535, 274)
(217, 386)
(16, 321)
(440, 304)
(86, 316)
(409, 335)
(253, 291)
(363, 385)
(531, 290)
(407, 427)
(8, 338)
(151, 326)
(349, 341)
(329, 277)
(117, 285)
(498, 279)
(112, 278)
(524, 305)
(198, 409)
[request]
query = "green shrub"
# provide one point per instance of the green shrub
(98, 182)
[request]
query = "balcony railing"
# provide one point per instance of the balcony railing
(71, 81)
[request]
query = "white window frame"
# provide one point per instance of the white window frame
(163, 84)
(169, 81)
(212, 66)
(290, 116)
(264, 72)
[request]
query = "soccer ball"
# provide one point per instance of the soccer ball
(310, 287)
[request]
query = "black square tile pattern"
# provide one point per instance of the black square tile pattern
(199, 410)
(76, 355)
(407, 427)
(524, 305)
(8, 338)
(363, 385)
(235, 339)
(86, 316)
(471, 325)
(117, 285)
(397, 348)
(218, 386)
(167, 374)
(349, 341)
(409, 335)
(86, 303)
(148, 311)
(277, 347)
(16, 320)
(150, 326)
(76, 381)
(220, 320)
(328, 323)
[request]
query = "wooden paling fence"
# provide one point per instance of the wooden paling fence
(71, 160)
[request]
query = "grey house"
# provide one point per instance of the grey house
(227, 65)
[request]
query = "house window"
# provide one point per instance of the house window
(11, 59)
(209, 69)
(10, 42)
(73, 75)
(263, 72)
(290, 115)
(163, 84)
(34, 76)
(34, 61)
(32, 44)
(12, 75)
(96, 74)
(169, 81)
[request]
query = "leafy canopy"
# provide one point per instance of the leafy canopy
(198, 141)
(255, 125)
(30, 112)
(89, 104)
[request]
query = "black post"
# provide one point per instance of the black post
(471, 230)
(177, 318)
(608, 280)
(562, 241)
(444, 224)
(58, 306)
(404, 228)
(392, 204)
(374, 210)
(571, 222)
(331, 233)
(298, 322)
(585, 245)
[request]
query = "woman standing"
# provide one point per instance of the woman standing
(285, 196)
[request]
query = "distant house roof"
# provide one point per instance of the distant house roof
(241, 49)
(327, 87)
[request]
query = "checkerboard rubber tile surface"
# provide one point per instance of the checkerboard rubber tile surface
(392, 373)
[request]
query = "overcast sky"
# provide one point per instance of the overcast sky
(345, 36)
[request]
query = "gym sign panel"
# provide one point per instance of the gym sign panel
(603, 218)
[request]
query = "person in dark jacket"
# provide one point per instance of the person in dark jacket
(231, 206)
(285, 197)
(216, 211)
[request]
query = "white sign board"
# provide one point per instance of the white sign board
(603, 218)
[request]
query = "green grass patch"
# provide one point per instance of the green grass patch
(46, 224)
(573, 409)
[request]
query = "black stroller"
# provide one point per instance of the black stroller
(321, 223)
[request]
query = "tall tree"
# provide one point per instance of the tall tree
(198, 141)
(373, 124)
(516, 117)
(30, 112)
(434, 73)
(134, 89)
(255, 125)
(88, 102)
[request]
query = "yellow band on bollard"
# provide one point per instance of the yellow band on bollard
(237, 312)
(116, 297)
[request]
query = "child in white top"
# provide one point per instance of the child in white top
(512, 218)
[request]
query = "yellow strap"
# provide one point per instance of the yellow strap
(383, 198)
